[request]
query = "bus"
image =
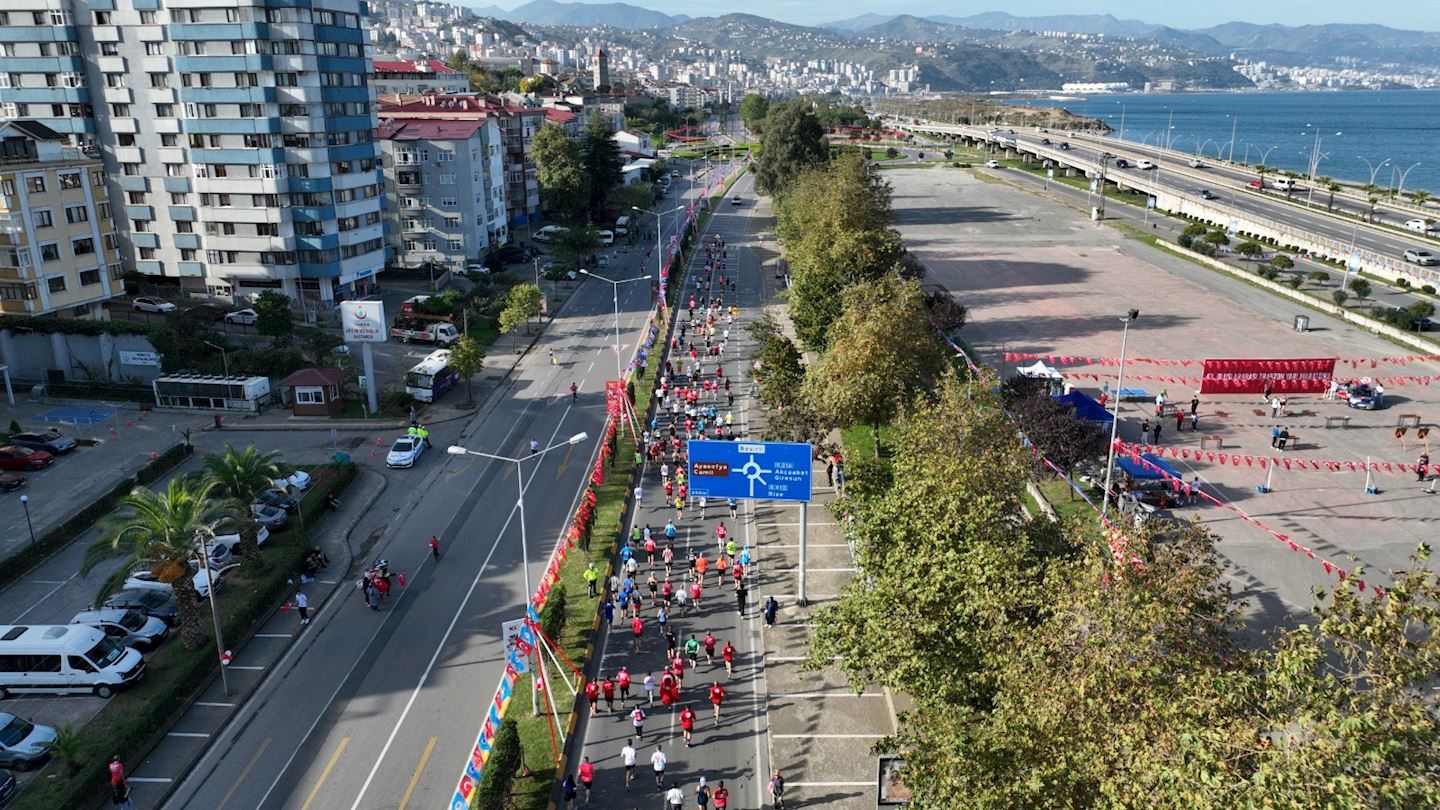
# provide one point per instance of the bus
(431, 377)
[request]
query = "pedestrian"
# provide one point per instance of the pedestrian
(657, 762)
(637, 717)
(1155, 433)
(120, 796)
(709, 641)
(639, 494)
(702, 795)
(1194, 405)
(727, 653)
(592, 579)
(1144, 429)
(653, 585)
(1195, 422)
(627, 758)
(622, 680)
(1179, 420)
(734, 506)
(701, 566)
(587, 777)
(1284, 437)
(592, 694)
(608, 609)
(671, 643)
(717, 696)
(1275, 408)
(687, 724)
(649, 684)
(1274, 435)
(722, 567)
(1284, 406)
(372, 596)
(649, 548)
(608, 687)
(695, 589)
(117, 771)
(302, 604)
(1266, 396)
(721, 796)
(740, 594)
(692, 651)
(771, 608)
(1422, 467)
(777, 789)
(674, 797)
(637, 627)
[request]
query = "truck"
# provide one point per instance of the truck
(422, 330)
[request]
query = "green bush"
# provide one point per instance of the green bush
(1402, 283)
(1339, 297)
(1194, 229)
(1282, 262)
(1267, 273)
(1185, 240)
(1203, 248)
(500, 769)
(1427, 289)
(552, 616)
(1360, 287)
(1319, 276)
(1295, 281)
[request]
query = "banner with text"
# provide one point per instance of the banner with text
(1301, 376)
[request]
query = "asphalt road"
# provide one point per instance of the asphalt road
(379, 709)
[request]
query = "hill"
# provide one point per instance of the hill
(857, 23)
(1105, 24)
(617, 15)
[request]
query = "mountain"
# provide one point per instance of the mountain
(617, 15)
(1362, 41)
(1105, 24)
(857, 23)
(924, 29)
(490, 11)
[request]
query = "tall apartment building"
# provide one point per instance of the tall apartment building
(396, 76)
(59, 254)
(445, 190)
(518, 126)
(237, 135)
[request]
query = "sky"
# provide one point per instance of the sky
(1408, 14)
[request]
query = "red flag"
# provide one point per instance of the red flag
(1249, 461)
(1326, 564)
(1286, 462)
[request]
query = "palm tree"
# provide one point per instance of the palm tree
(1331, 186)
(1420, 195)
(157, 530)
(1261, 169)
(238, 476)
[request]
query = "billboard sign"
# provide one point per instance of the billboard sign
(772, 471)
(139, 358)
(1283, 376)
(363, 321)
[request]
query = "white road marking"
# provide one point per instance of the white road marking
(780, 695)
(244, 668)
(213, 705)
(162, 780)
(828, 736)
(47, 595)
(274, 635)
(198, 734)
(830, 784)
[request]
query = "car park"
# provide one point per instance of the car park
(9, 482)
(128, 627)
(405, 452)
(1421, 257)
(278, 498)
(271, 517)
(149, 601)
(1206, 194)
(23, 744)
(148, 304)
(299, 480)
(242, 317)
(230, 542)
(992, 164)
(51, 441)
(23, 459)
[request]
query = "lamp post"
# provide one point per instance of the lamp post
(1115, 416)
(203, 564)
(1265, 154)
(659, 235)
(224, 356)
(1373, 167)
(1315, 158)
(457, 450)
(1230, 153)
(25, 502)
(615, 297)
(1400, 192)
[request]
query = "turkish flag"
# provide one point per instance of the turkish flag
(1328, 567)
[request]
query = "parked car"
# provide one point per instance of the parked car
(9, 482)
(148, 304)
(51, 441)
(1206, 194)
(129, 627)
(151, 602)
(243, 317)
(230, 540)
(404, 452)
(1421, 257)
(1363, 397)
(475, 267)
(9, 787)
(512, 254)
(144, 577)
(278, 498)
(1426, 226)
(607, 237)
(992, 164)
(14, 457)
(23, 744)
(272, 517)
(300, 480)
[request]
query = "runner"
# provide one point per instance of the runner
(627, 758)
(709, 642)
(717, 696)
(592, 694)
(637, 626)
(608, 687)
(687, 724)
(637, 716)
(777, 790)
(622, 680)
(692, 651)
(657, 762)
(587, 778)
(728, 654)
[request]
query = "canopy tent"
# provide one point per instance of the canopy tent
(1148, 467)
(1039, 370)
(1086, 408)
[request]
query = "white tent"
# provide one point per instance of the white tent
(1040, 371)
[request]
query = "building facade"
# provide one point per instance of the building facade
(445, 190)
(237, 135)
(59, 254)
(415, 77)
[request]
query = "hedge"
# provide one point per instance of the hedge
(500, 769)
(75, 326)
(63, 533)
(132, 722)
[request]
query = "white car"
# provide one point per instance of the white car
(244, 317)
(225, 546)
(1421, 225)
(404, 452)
(1196, 164)
(1421, 257)
(145, 579)
(735, 200)
(476, 268)
(1144, 165)
(992, 164)
(298, 480)
(607, 237)
(147, 304)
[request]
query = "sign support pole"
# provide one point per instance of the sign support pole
(804, 527)
(369, 360)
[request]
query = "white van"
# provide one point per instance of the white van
(550, 232)
(1284, 183)
(622, 226)
(607, 238)
(59, 658)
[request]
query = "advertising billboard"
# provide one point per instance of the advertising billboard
(1310, 375)
(363, 321)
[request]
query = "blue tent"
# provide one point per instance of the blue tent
(1085, 407)
(1148, 467)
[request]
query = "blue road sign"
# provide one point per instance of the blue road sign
(772, 471)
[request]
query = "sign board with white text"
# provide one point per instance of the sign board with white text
(139, 358)
(363, 321)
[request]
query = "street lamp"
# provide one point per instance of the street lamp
(1400, 192)
(224, 356)
(615, 296)
(1115, 416)
(457, 450)
(1373, 167)
(1265, 155)
(25, 502)
(1230, 153)
(1315, 158)
(199, 550)
(659, 227)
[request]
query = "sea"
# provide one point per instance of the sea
(1396, 131)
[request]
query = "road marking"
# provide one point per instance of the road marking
(158, 780)
(325, 774)
(827, 694)
(245, 668)
(415, 777)
(274, 635)
(830, 784)
(212, 705)
(37, 602)
(807, 545)
(243, 774)
(197, 734)
(769, 658)
(827, 737)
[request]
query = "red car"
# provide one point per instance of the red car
(1256, 184)
(13, 457)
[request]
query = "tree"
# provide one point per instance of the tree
(158, 532)
(238, 476)
(1250, 248)
(574, 246)
(1360, 287)
(1283, 262)
(791, 141)
(1261, 170)
(753, 109)
(467, 358)
(1419, 311)
(521, 304)
(600, 155)
(631, 195)
(564, 185)
(1052, 425)
(539, 83)
(274, 317)
(1339, 297)
(882, 351)
(1330, 188)
(946, 314)
(1217, 237)
(1420, 195)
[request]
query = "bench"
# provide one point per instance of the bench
(1331, 420)
(1211, 437)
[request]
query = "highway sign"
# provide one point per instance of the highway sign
(774, 471)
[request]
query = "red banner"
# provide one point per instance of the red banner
(614, 393)
(1303, 376)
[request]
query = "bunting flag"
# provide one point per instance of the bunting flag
(1088, 360)
(1235, 460)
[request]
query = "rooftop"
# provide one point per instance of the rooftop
(417, 66)
(431, 130)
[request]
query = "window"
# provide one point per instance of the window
(70, 180)
(83, 246)
(102, 210)
(456, 244)
(287, 79)
(110, 241)
(175, 169)
(101, 18)
(310, 396)
(267, 229)
(109, 49)
(7, 186)
(56, 284)
(447, 179)
(89, 278)
(165, 111)
(169, 139)
(135, 197)
(120, 110)
(154, 49)
(43, 218)
(159, 81)
(452, 222)
(147, 18)
(447, 202)
(36, 184)
(75, 214)
(49, 252)
(184, 226)
(179, 198)
(187, 254)
(114, 79)
(147, 253)
(445, 156)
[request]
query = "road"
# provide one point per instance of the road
(378, 710)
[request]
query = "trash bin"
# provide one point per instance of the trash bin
(1302, 323)
(219, 421)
